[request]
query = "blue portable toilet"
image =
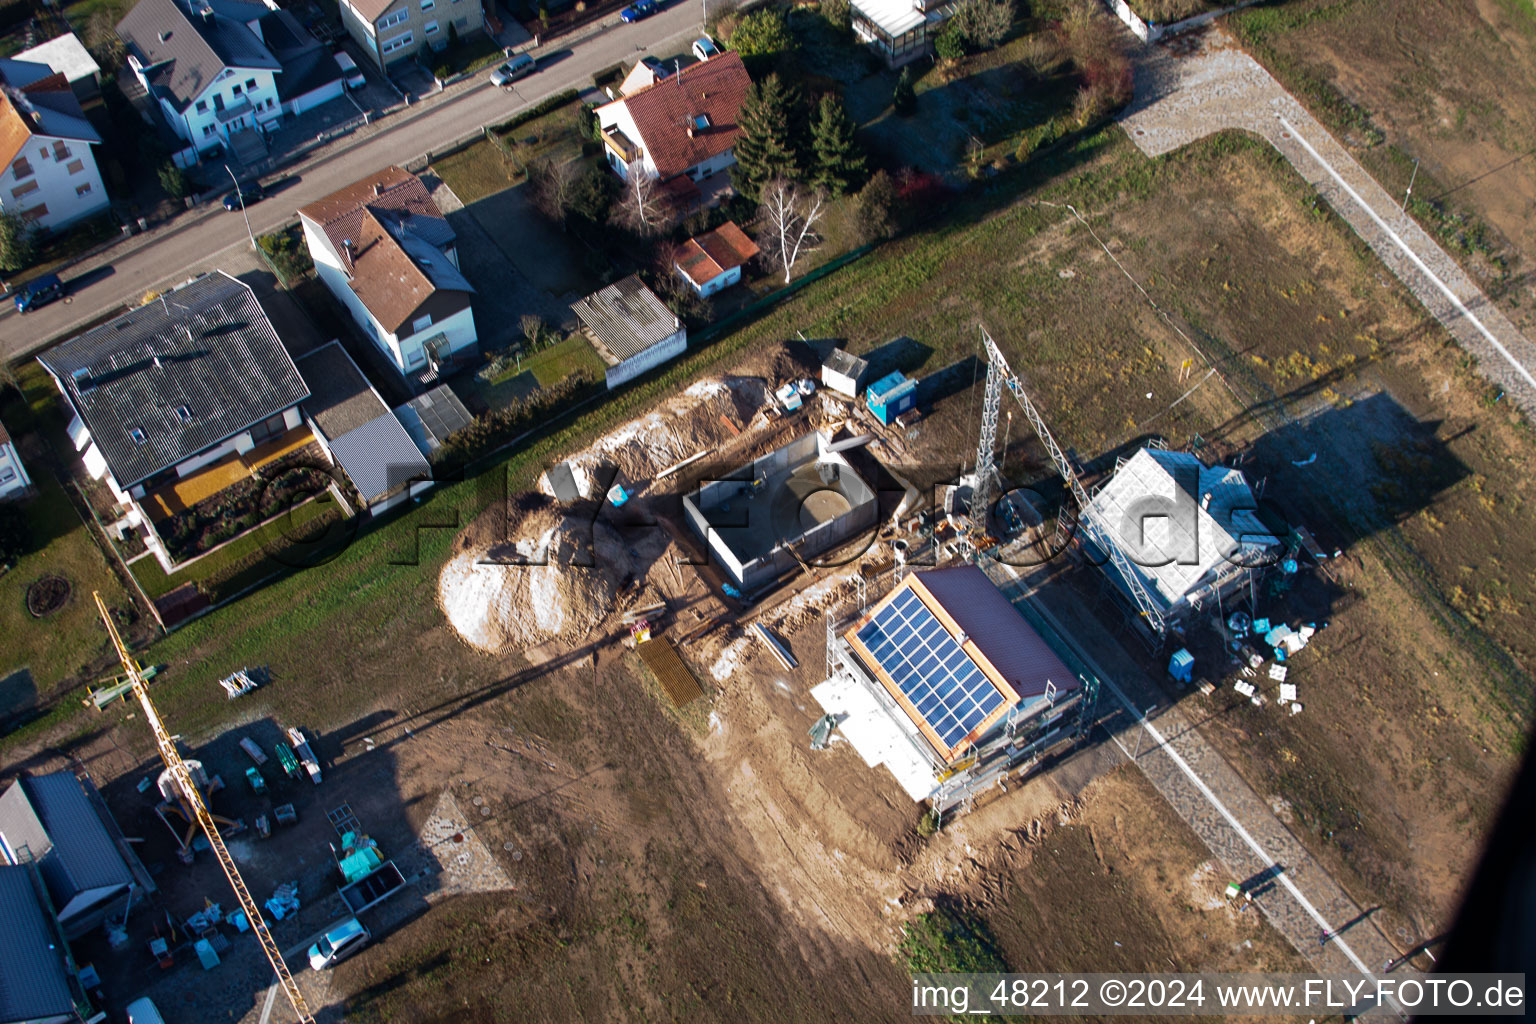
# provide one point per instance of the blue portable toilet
(1182, 666)
(890, 396)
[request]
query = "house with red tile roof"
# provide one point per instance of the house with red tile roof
(682, 128)
(48, 174)
(713, 260)
(384, 249)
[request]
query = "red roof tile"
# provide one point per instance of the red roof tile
(706, 257)
(340, 214)
(665, 112)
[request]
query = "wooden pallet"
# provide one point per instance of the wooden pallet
(675, 678)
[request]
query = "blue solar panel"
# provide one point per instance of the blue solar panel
(929, 668)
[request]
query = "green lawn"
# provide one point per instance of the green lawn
(553, 364)
(477, 171)
(253, 556)
(555, 136)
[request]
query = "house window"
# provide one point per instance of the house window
(60, 152)
(7, 474)
(701, 122)
(250, 84)
(427, 5)
(391, 20)
(268, 429)
(36, 213)
(400, 42)
(218, 102)
(184, 413)
(202, 106)
(417, 358)
(25, 190)
(208, 131)
(83, 190)
(236, 90)
(421, 323)
(431, 28)
(21, 168)
(75, 166)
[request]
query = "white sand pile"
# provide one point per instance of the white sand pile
(498, 607)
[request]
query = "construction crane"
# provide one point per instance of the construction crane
(999, 374)
(182, 776)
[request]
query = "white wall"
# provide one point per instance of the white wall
(459, 329)
(10, 466)
(668, 348)
(708, 288)
(202, 127)
(315, 97)
(57, 188)
(617, 115)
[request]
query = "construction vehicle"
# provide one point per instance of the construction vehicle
(306, 755)
(193, 800)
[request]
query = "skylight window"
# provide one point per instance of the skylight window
(701, 122)
(139, 437)
(184, 414)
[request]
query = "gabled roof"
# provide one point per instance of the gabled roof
(33, 984)
(36, 100)
(67, 55)
(705, 257)
(53, 818)
(340, 397)
(626, 317)
(393, 271)
(205, 346)
(371, 9)
(183, 53)
(380, 457)
(393, 194)
(1155, 509)
(666, 114)
(372, 446)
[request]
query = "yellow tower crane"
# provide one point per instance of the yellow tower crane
(194, 798)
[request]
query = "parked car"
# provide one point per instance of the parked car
(39, 293)
(512, 70)
(250, 191)
(338, 944)
(350, 72)
(705, 48)
(143, 1011)
(639, 10)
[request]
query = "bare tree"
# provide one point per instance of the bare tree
(642, 204)
(532, 326)
(789, 217)
(554, 185)
(984, 22)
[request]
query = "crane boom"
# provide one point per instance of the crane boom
(998, 374)
(183, 778)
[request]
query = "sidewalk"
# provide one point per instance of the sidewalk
(1234, 822)
(1184, 96)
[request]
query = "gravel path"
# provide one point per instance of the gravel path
(1206, 84)
(1235, 823)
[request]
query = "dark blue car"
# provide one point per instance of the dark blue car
(639, 9)
(39, 292)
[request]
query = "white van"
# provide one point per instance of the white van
(512, 70)
(350, 71)
(143, 1011)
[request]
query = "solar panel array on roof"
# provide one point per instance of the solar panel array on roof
(931, 669)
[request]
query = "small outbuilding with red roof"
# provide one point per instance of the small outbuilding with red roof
(713, 261)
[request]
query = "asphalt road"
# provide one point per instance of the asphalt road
(197, 240)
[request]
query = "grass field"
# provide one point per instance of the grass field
(475, 172)
(559, 361)
(485, 168)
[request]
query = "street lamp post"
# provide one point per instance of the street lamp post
(1412, 178)
(240, 197)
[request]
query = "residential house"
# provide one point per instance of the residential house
(713, 260)
(901, 31)
(391, 31)
(67, 55)
(60, 823)
(223, 71)
(358, 432)
(14, 481)
(387, 253)
(632, 330)
(680, 130)
(182, 397)
(37, 977)
(50, 177)
(1190, 533)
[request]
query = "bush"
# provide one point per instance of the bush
(763, 33)
(18, 242)
(173, 180)
(15, 533)
(287, 253)
(838, 14)
(491, 430)
(950, 45)
(904, 97)
(876, 216)
(928, 824)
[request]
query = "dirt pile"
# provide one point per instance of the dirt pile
(555, 574)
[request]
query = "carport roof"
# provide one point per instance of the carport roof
(626, 317)
(380, 457)
(53, 817)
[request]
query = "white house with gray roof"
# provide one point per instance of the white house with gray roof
(194, 377)
(631, 329)
(221, 67)
(59, 823)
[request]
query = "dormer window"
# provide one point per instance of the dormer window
(82, 379)
(184, 414)
(139, 437)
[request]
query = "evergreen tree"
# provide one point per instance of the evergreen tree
(769, 146)
(839, 160)
(904, 97)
